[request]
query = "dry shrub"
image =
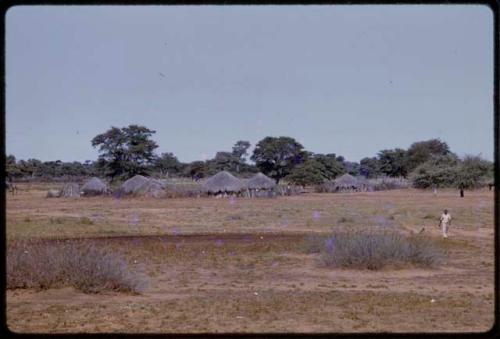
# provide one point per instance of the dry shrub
(47, 264)
(387, 183)
(373, 251)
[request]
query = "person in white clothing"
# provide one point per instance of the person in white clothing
(445, 222)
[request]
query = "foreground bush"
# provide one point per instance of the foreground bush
(376, 250)
(43, 264)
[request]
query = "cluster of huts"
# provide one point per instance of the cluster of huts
(220, 185)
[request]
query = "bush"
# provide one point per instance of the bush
(375, 250)
(45, 264)
(387, 183)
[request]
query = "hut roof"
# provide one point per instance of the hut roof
(94, 186)
(260, 181)
(70, 190)
(140, 185)
(346, 180)
(223, 182)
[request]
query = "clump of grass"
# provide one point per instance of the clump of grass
(86, 221)
(345, 219)
(369, 250)
(429, 216)
(42, 264)
(314, 243)
(27, 219)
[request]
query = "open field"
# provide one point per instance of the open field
(241, 265)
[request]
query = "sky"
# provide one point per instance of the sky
(350, 80)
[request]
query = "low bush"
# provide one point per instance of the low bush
(46, 264)
(387, 183)
(373, 251)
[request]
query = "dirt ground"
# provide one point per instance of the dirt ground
(241, 265)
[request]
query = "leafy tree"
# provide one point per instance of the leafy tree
(369, 167)
(125, 152)
(12, 170)
(351, 167)
(195, 169)
(331, 166)
(472, 172)
(439, 171)
(167, 164)
(240, 150)
(277, 156)
(307, 173)
(420, 152)
(392, 162)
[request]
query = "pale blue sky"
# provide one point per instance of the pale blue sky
(350, 80)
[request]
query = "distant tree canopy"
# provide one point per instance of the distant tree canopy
(310, 172)
(167, 164)
(472, 172)
(420, 152)
(392, 162)
(369, 167)
(125, 152)
(331, 167)
(277, 156)
(438, 171)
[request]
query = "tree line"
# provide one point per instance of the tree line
(125, 152)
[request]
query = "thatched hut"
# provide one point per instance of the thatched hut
(261, 185)
(139, 185)
(223, 183)
(346, 183)
(70, 190)
(94, 186)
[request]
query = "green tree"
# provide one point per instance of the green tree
(369, 167)
(332, 167)
(167, 164)
(421, 151)
(12, 170)
(240, 150)
(125, 152)
(439, 171)
(392, 162)
(277, 156)
(472, 172)
(310, 172)
(195, 169)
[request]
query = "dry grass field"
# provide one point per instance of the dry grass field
(242, 265)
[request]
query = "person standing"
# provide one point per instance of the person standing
(445, 222)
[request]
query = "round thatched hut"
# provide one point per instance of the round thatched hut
(94, 186)
(139, 185)
(346, 183)
(261, 185)
(70, 190)
(223, 183)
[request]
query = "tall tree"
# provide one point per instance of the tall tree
(167, 164)
(277, 156)
(393, 162)
(439, 171)
(126, 151)
(472, 171)
(310, 172)
(331, 166)
(369, 167)
(240, 150)
(421, 151)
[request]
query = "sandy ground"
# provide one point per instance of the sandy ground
(249, 271)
